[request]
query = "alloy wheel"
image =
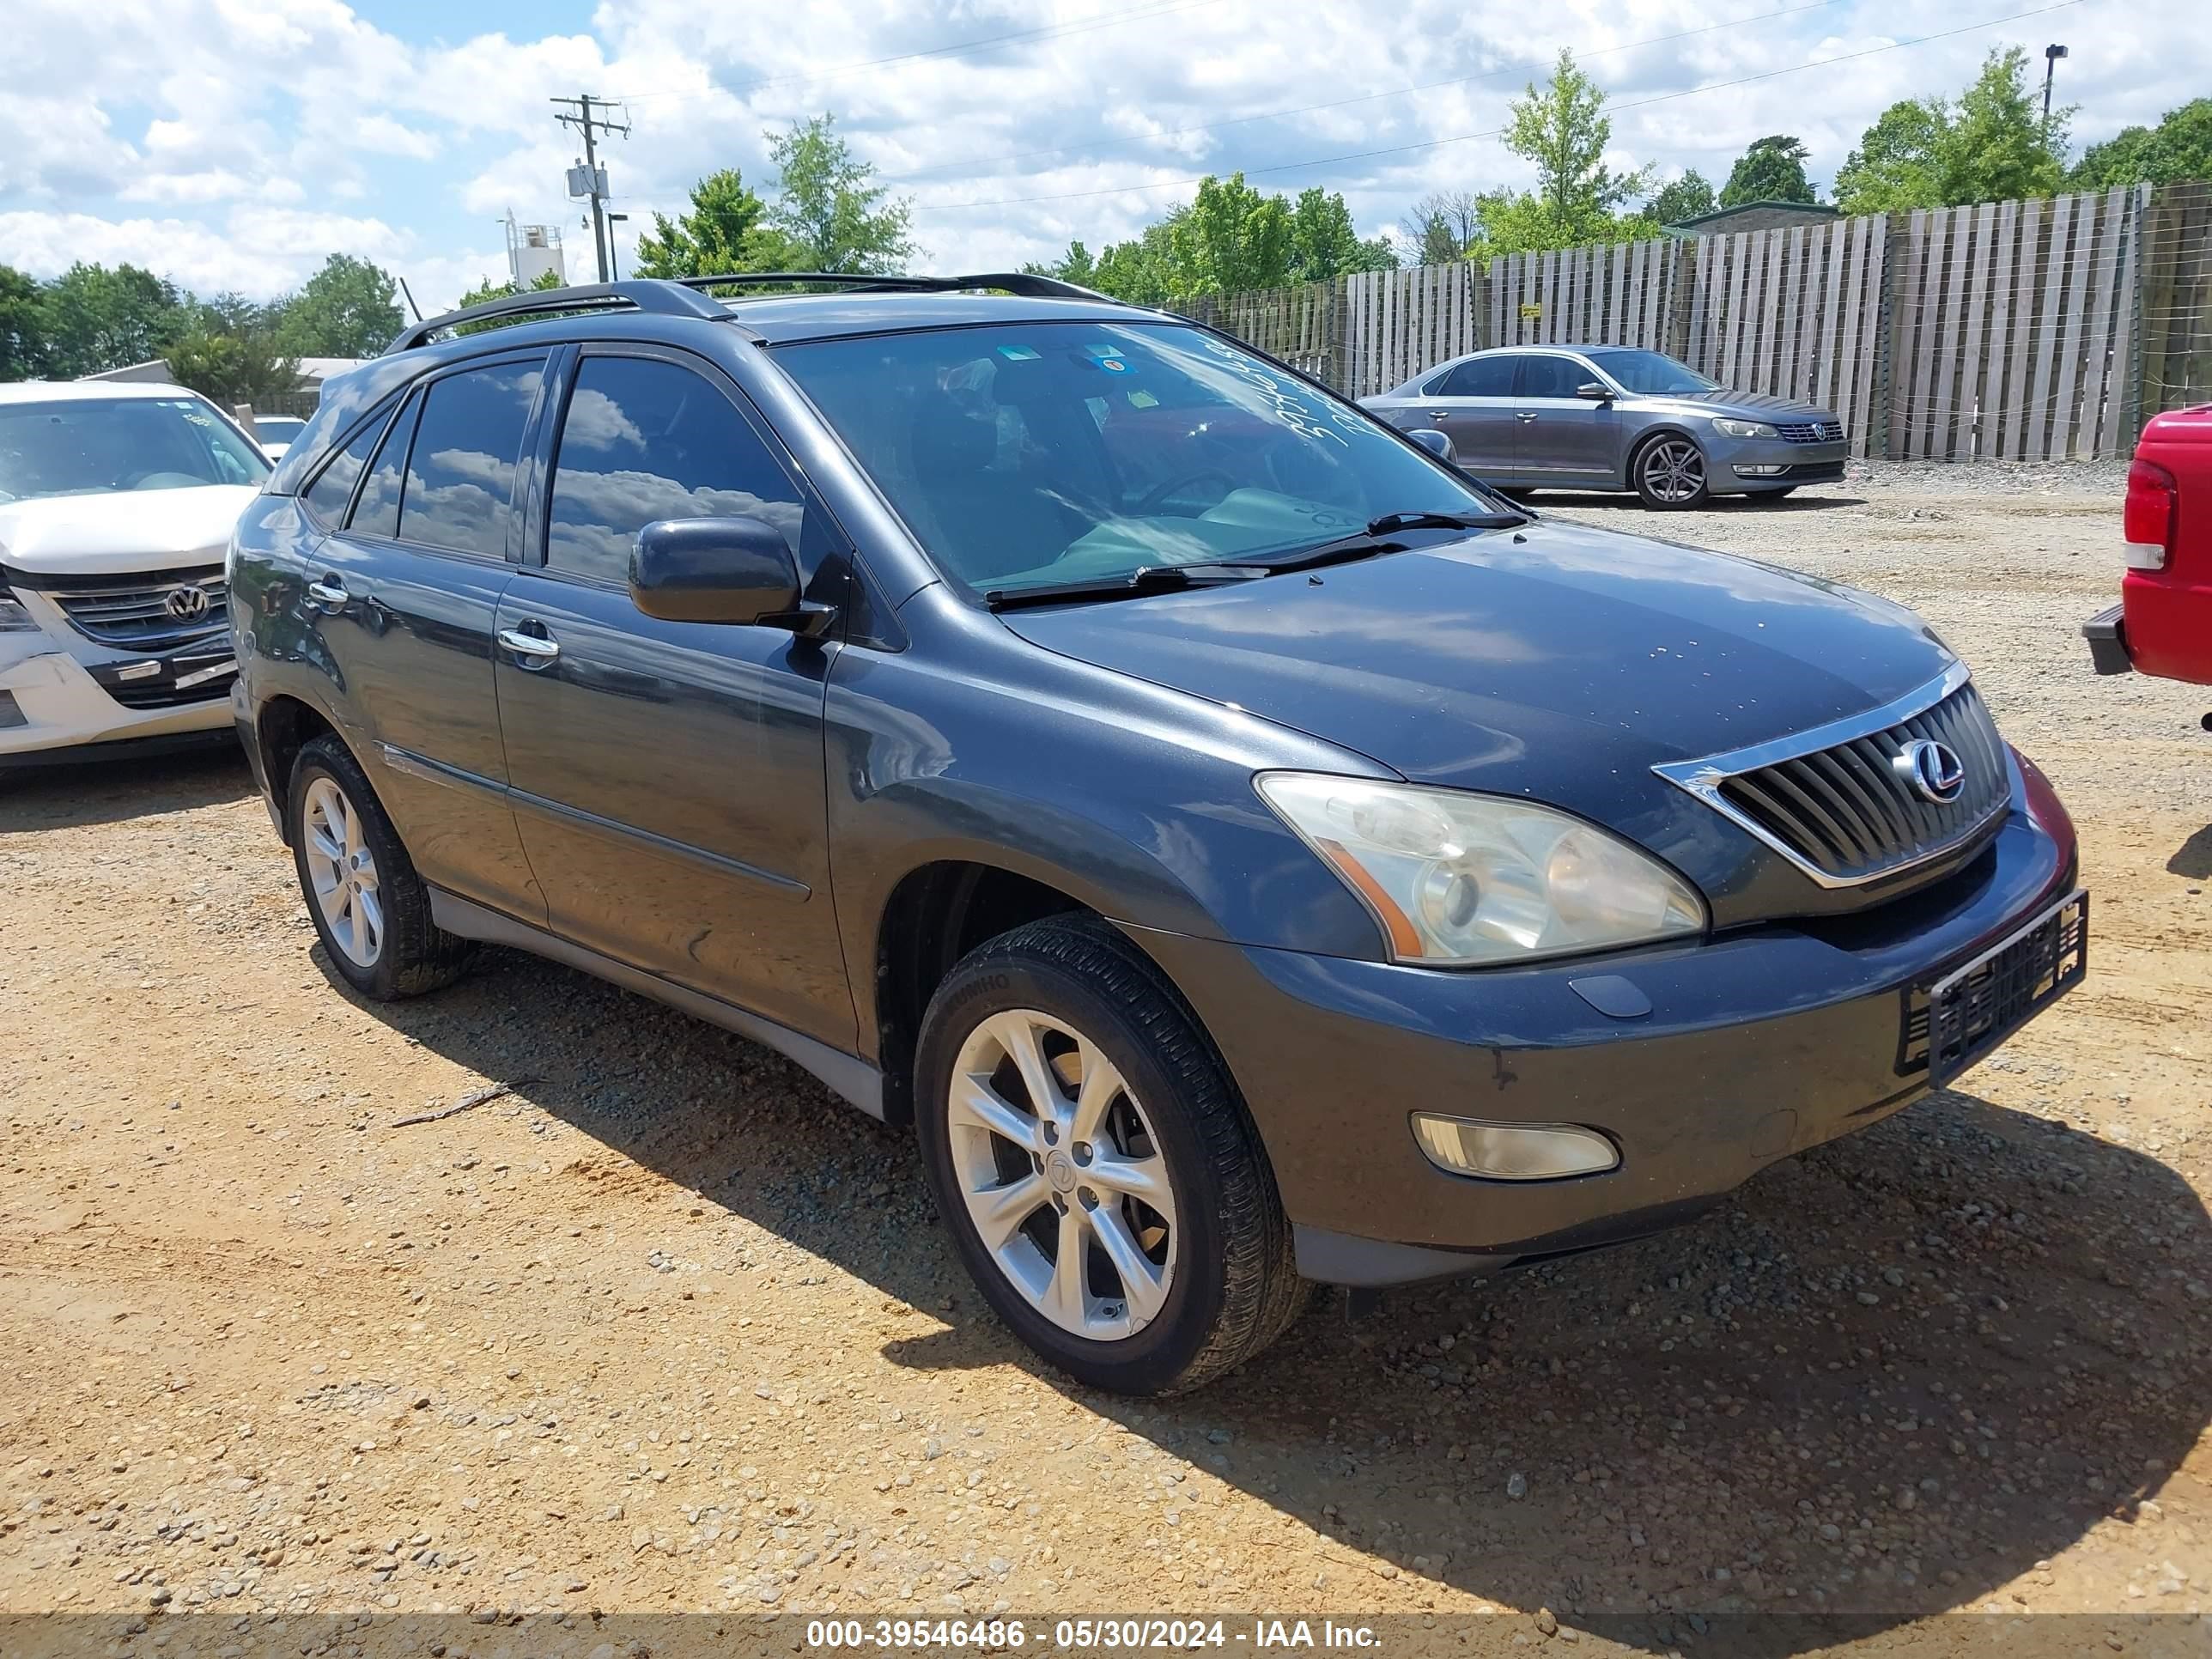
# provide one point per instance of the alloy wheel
(1062, 1176)
(1673, 471)
(344, 872)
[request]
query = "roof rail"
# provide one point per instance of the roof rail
(662, 298)
(1012, 281)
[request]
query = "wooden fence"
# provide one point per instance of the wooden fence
(2042, 330)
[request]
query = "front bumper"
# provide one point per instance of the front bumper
(1758, 1045)
(1739, 465)
(56, 702)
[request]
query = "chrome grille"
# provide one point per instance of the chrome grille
(1811, 432)
(140, 616)
(1843, 807)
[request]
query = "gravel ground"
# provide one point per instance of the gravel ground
(664, 1327)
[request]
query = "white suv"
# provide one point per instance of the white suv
(116, 503)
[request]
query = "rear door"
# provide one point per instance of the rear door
(1561, 438)
(1472, 404)
(668, 775)
(401, 599)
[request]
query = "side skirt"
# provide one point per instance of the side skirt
(851, 1078)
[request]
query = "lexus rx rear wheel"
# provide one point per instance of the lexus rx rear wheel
(1101, 1178)
(369, 908)
(1669, 473)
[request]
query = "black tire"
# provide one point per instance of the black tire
(414, 954)
(1235, 1287)
(1647, 489)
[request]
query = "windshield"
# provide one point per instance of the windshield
(90, 447)
(278, 428)
(1044, 454)
(1652, 373)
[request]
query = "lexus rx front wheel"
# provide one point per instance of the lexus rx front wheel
(1102, 1180)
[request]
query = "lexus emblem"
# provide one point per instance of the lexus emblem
(1934, 768)
(187, 604)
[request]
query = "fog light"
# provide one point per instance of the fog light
(1758, 472)
(1512, 1152)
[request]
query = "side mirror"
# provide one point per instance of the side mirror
(1596, 391)
(1438, 443)
(736, 570)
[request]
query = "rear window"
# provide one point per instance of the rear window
(327, 496)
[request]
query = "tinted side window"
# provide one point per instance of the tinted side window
(1483, 376)
(377, 511)
(1551, 377)
(327, 496)
(460, 474)
(646, 440)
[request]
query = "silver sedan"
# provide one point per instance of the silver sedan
(1616, 417)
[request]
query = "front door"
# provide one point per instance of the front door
(1562, 439)
(400, 600)
(1473, 407)
(668, 775)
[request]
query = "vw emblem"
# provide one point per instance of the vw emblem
(187, 604)
(1933, 768)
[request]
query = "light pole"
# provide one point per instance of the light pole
(614, 270)
(2052, 54)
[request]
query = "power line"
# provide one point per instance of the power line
(1341, 103)
(1045, 32)
(1493, 132)
(595, 181)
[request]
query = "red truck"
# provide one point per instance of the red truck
(2163, 622)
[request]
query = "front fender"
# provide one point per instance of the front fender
(1132, 799)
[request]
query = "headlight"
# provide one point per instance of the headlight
(1743, 428)
(14, 619)
(1464, 880)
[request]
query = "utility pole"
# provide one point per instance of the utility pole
(2052, 54)
(590, 126)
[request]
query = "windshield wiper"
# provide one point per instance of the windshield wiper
(1145, 579)
(1389, 523)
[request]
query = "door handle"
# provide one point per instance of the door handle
(1525, 414)
(535, 647)
(328, 591)
(1440, 414)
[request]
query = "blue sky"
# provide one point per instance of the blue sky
(232, 143)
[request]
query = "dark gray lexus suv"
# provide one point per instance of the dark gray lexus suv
(1249, 852)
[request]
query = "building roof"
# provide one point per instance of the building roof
(56, 391)
(1705, 223)
(321, 369)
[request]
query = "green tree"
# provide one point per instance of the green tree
(1770, 169)
(95, 319)
(1144, 270)
(1564, 131)
(1076, 265)
(1325, 243)
(22, 326)
(1997, 147)
(243, 367)
(1232, 239)
(2179, 146)
(1682, 199)
(349, 308)
(827, 205)
(725, 230)
(1992, 145)
(1898, 163)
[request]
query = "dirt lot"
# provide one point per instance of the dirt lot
(667, 1328)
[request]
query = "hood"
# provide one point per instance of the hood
(1558, 662)
(1749, 405)
(123, 532)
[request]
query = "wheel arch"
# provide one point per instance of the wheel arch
(1643, 441)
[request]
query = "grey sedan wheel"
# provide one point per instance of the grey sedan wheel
(1670, 473)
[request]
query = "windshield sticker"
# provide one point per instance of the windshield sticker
(1019, 354)
(1113, 365)
(1140, 398)
(1292, 410)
